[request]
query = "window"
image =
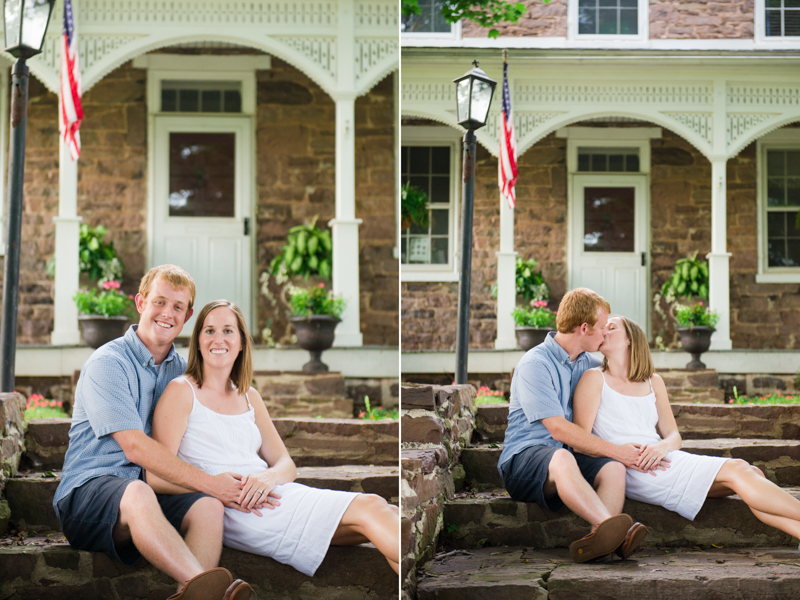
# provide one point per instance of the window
(428, 161)
(201, 96)
(602, 160)
(429, 23)
(608, 19)
(779, 207)
(782, 18)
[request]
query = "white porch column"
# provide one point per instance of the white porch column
(65, 313)
(718, 258)
(345, 225)
(506, 279)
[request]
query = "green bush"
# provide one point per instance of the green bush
(316, 301)
(538, 315)
(695, 315)
(97, 258)
(690, 278)
(107, 300)
(308, 251)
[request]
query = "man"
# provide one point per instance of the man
(103, 503)
(536, 464)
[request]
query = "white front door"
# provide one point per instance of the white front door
(202, 204)
(610, 241)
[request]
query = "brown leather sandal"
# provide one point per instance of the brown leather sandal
(633, 540)
(238, 590)
(209, 585)
(604, 540)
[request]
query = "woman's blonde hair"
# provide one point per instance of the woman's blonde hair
(577, 307)
(242, 372)
(640, 363)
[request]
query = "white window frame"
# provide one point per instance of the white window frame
(761, 26)
(438, 136)
(782, 139)
(643, 12)
(453, 35)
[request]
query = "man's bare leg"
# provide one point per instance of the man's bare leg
(564, 477)
(141, 520)
(202, 531)
(610, 486)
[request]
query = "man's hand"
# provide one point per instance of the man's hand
(629, 455)
(226, 488)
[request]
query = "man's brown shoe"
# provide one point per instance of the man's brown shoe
(238, 590)
(633, 540)
(209, 585)
(608, 536)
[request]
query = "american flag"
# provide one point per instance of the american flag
(507, 165)
(70, 111)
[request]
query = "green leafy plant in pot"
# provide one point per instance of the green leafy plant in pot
(413, 207)
(533, 323)
(696, 324)
(315, 314)
(104, 312)
(689, 280)
(98, 260)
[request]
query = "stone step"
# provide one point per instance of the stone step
(492, 519)
(519, 573)
(30, 495)
(695, 421)
(300, 394)
(311, 442)
(779, 459)
(50, 570)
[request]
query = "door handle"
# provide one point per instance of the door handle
(247, 228)
(644, 259)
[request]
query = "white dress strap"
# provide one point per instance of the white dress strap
(650, 381)
(194, 396)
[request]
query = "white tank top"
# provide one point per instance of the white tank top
(622, 419)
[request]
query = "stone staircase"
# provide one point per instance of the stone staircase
(491, 546)
(341, 454)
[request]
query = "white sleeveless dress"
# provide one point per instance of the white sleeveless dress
(296, 533)
(681, 488)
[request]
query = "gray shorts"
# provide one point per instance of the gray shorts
(525, 474)
(89, 513)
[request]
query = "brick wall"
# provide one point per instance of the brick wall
(295, 181)
(669, 19)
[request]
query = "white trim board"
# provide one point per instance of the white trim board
(779, 362)
(548, 43)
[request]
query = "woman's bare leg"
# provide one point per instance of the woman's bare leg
(371, 518)
(769, 503)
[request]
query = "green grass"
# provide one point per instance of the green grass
(490, 400)
(775, 398)
(44, 412)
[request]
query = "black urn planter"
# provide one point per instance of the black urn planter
(315, 334)
(97, 330)
(695, 340)
(528, 337)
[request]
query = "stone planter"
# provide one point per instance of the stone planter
(315, 334)
(695, 340)
(97, 330)
(528, 337)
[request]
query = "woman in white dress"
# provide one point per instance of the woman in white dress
(624, 401)
(212, 419)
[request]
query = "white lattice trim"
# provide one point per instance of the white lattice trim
(751, 135)
(429, 92)
(701, 123)
(574, 93)
(321, 51)
(370, 53)
(524, 122)
(372, 15)
(737, 125)
(763, 95)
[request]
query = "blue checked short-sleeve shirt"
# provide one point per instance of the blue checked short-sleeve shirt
(117, 390)
(543, 385)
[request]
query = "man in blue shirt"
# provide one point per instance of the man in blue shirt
(103, 503)
(552, 462)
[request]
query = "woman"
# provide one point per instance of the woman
(212, 419)
(624, 401)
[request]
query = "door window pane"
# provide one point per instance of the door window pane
(602, 160)
(201, 174)
(201, 96)
(608, 219)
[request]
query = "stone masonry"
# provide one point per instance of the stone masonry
(437, 422)
(294, 181)
(669, 19)
(12, 445)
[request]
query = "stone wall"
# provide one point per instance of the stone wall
(669, 19)
(12, 445)
(436, 424)
(294, 179)
(701, 19)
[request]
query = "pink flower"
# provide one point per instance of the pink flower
(322, 285)
(361, 414)
(53, 403)
(539, 304)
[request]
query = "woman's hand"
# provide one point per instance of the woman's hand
(258, 491)
(652, 456)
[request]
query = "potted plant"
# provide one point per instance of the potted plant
(695, 325)
(688, 280)
(98, 260)
(530, 282)
(104, 312)
(308, 251)
(533, 323)
(413, 207)
(314, 314)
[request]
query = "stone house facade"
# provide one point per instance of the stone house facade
(690, 106)
(310, 132)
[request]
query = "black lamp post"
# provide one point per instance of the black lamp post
(474, 92)
(25, 25)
